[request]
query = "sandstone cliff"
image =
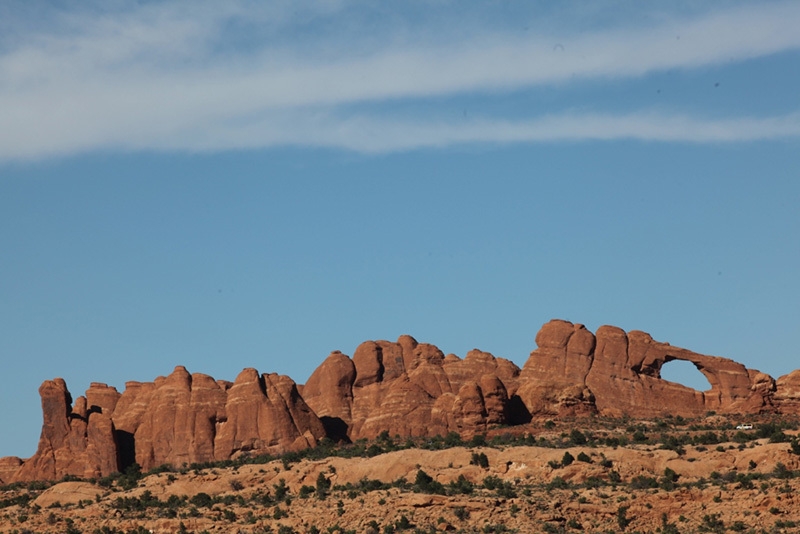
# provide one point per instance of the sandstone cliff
(615, 373)
(411, 389)
(403, 387)
(178, 419)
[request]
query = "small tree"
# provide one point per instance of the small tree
(622, 517)
(323, 486)
(480, 459)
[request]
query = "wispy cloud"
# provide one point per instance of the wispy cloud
(212, 76)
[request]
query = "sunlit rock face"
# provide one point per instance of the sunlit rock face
(405, 388)
(409, 388)
(179, 419)
(615, 373)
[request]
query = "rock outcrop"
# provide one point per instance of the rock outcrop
(179, 419)
(411, 389)
(615, 373)
(404, 388)
(9, 466)
(75, 440)
(787, 394)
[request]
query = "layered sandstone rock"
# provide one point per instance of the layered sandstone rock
(403, 387)
(74, 441)
(265, 414)
(617, 373)
(787, 394)
(411, 389)
(9, 465)
(178, 419)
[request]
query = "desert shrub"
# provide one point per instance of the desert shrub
(19, 500)
(461, 513)
(424, 483)
(460, 486)
(403, 523)
(552, 528)
(576, 437)
(478, 440)
(229, 515)
(323, 485)
(574, 524)
(706, 438)
(34, 485)
(781, 471)
(622, 517)
(453, 439)
(480, 459)
(502, 488)
(712, 523)
(498, 528)
(594, 482)
(557, 483)
(202, 500)
(667, 481)
(643, 482)
(567, 459)
(583, 457)
(281, 490)
(673, 443)
(667, 527)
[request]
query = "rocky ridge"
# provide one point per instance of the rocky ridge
(404, 388)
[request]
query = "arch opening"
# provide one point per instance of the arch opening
(686, 374)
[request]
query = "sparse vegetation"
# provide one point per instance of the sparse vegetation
(259, 499)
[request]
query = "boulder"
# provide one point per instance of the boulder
(787, 393)
(9, 465)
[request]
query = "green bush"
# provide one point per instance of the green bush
(424, 483)
(480, 459)
(622, 517)
(323, 485)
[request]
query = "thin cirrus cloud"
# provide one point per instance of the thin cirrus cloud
(158, 79)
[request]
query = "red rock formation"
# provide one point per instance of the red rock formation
(553, 380)
(73, 442)
(265, 414)
(406, 388)
(618, 374)
(787, 394)
(411, 389)
(9, 465)
(178, 425)
(178, 419)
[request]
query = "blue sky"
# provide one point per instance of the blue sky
(240, 185)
